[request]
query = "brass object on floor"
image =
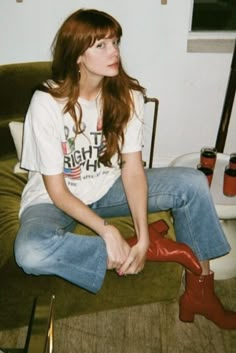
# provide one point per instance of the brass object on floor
(40, 331)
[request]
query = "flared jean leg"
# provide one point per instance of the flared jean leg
(45, 245)
(185, 192)
(195, 219)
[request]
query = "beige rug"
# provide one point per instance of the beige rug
(153, 328)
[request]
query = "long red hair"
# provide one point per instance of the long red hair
(79, 32)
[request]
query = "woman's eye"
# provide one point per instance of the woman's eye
(101, 45)
(116, 42)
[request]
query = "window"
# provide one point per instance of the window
(214, 15)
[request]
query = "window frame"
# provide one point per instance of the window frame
(209, 41)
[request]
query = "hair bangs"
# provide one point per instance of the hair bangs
(106, 28)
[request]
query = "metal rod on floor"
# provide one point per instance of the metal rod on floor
(227, 107)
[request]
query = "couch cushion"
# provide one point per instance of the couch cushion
(18, 81)
(7, 145)
(16, 129)
(11, 186)
(158, 281)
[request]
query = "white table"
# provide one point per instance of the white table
(224, 267)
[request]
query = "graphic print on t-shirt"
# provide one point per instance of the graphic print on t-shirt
(82, 150)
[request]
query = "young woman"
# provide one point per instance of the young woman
(82, 147)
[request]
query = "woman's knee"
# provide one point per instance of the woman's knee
(27, 251)
(189, 178)
(199, 181)
(191, 184)
(27, 257)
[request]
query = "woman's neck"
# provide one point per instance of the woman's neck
(89, 96)
(90, 91)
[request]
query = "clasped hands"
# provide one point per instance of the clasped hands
(121, 257)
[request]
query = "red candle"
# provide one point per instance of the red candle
(207, 171)
(208, 157)
(229, 186)
(232, 161)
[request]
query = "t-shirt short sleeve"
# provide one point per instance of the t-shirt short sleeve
(42, 143)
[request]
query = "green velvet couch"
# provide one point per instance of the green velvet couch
(158, 282)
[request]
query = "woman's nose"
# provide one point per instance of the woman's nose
(114, 50)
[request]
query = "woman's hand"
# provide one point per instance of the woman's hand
(117, 248)
(135, 261)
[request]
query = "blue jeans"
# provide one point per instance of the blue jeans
(45, 243)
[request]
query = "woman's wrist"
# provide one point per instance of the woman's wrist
(105, 229)
(143, 238)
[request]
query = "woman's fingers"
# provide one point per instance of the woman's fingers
(133, 264)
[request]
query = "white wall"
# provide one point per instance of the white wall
(190, 86)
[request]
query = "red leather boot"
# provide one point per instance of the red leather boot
(166, 250)
(199, 298)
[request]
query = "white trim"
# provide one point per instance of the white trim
(211, 42)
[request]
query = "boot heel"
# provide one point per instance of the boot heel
(185, 314)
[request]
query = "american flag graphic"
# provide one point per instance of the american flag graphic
(73, 173)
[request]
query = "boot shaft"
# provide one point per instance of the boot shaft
(199, 285)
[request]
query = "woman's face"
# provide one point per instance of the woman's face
(102, 59)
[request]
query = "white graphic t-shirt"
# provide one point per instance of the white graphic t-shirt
(51, 146)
